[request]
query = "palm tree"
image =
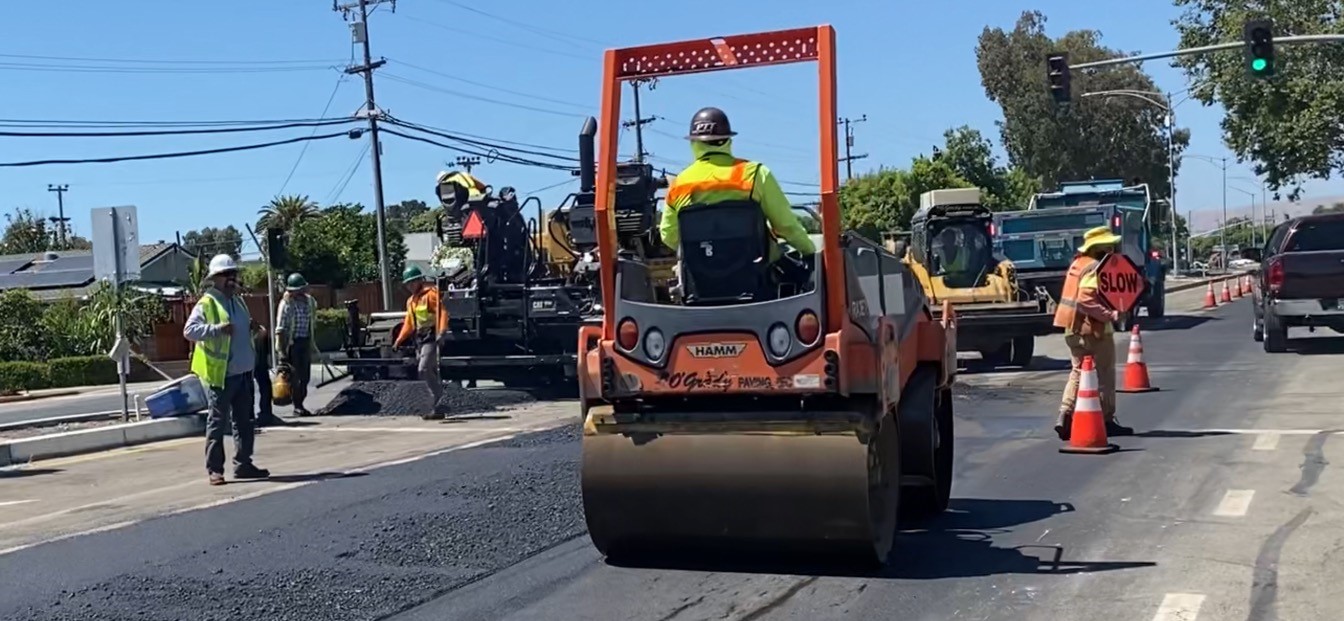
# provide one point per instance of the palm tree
(283, 212)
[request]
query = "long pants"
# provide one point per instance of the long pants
(232, 403)
(428, 360)
(262, 376)
(300, 358)
(1102, 350)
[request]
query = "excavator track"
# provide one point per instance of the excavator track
(833, 493)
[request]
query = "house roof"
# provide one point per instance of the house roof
(53, 275)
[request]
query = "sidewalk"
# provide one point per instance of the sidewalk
(319, 374)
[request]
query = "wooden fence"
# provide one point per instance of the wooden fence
(168, 344)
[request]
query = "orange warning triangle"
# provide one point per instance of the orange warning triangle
(475, 227)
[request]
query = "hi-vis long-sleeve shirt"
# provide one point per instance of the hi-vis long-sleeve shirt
(424, 309)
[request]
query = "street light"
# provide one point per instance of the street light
(1163, 102)
(1264, 203)
(1252, 219)
(1221, 162)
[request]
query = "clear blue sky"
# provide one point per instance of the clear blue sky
(530, 53)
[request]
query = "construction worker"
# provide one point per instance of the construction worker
(294, 337)
(1089, 330)
(716, 176)
(427, 322)
(952, 258)
(223, 359)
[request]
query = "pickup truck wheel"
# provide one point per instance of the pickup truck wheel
(1257, 330)
(1275, 335)
(1024, 349)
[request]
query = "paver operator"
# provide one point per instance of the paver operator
(1089, 330)
(294, 337)
(716, 176)
(221, 328)
(427, 322)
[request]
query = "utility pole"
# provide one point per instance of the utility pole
(639, 122)
(60, 218)
(360, 32)
(1222, 232)
(1171, 180)
(849, 157)
(467, 162)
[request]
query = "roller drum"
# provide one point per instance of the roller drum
(829, 494)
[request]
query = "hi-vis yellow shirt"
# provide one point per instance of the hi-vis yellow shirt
(715, 177)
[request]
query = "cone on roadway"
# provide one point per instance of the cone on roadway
(1088, 434)
(1246, 285)
(1227, 294)
(1136, 371)
(1238, 289)
(1210, 301)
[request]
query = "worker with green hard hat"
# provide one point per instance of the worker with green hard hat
(427, 322)
(295, 324)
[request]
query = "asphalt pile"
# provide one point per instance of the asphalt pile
(406, 398)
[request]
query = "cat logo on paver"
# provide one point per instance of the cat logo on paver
(716, 350)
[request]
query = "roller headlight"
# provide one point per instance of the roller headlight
(654, 344)
(779, 339)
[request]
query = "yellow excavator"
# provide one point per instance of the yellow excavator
(950, 250)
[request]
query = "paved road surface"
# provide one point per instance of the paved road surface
(1224, 507)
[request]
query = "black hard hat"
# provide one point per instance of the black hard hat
(710, 124)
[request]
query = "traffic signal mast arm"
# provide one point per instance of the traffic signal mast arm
(1321, 38)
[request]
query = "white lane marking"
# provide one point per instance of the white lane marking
(1236, 502)
(443, 429)
(1253, 432)
(1179, 607)
(1266, 442)
(8, 503)
(261, 492)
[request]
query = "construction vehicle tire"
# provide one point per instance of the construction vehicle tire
(1024, 349)
(833, 494)
(927, 444)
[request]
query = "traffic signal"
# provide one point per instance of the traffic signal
(275, 248)
(1259, 38)
(1057, 71)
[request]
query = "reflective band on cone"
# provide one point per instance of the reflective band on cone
(1088, 434)
(1210, 300)
(1246, 285)
(1227, 294)
(1136, 372)
(1237, 289)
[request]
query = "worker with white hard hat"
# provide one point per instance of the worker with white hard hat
(221, 328)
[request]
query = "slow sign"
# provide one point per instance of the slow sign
(1120, 283)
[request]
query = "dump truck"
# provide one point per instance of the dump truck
(950, 250)
(1042, 240)
(750, 413)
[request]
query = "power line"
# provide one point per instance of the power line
(551, 187)
(161, 156)
(431, 87)
(304, 151)
(492, 87)
(498, 157)
(167, 61)
(545, 32)
(171, 132)
(154, 123)
(490, 139)
(501, 40)
(339, 189)
(46, 67)
(849, 158)
(479, 143)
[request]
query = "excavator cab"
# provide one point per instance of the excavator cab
(750, 415)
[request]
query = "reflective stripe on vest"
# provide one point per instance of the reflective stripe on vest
(712, 189)
(1066, 314)
(421, 315)
(210, 357)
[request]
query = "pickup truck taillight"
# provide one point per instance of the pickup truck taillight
(1274, 274)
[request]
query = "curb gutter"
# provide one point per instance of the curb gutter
(35, 397)
(82, 441)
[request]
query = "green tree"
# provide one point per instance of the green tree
(1101, 137)
(1288, 126)
(340, 247)
(210, 241)
(401, 215)
(21, 336)
(285, 212)
(971, 155)
(25, 232)
(424, 222)
(885, 200)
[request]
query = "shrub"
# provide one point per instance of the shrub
(19, 376)
(330, 329)
(83, 371)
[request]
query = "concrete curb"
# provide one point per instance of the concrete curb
(100, 439)
(35, 397)
(1201, 283)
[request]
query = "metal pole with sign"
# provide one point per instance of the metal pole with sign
(116, 259)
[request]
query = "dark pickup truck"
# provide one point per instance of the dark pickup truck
(1301, 279)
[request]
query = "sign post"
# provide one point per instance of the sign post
(1120, 283)
(116, 258)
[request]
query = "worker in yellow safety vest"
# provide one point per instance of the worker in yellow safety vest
(221, 328)
(717, 176)
(1089, 330)
(427, 322)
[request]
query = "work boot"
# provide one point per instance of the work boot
(216, 478)
(1064, 427)
(250, 471)
(1114, 428)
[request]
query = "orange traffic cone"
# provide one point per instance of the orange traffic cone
(1136, 371)
(1246, 285)
(1227, 294)
(1236, 289)
(1088, 434)
(1210, 301)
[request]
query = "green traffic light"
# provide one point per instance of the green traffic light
(1259, 64)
